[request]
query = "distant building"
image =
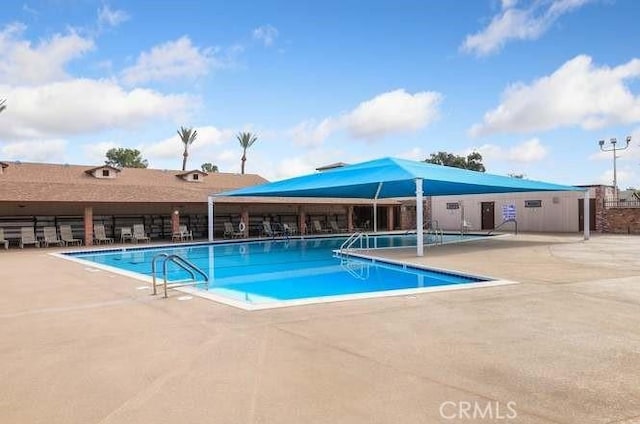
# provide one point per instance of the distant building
(533, 211)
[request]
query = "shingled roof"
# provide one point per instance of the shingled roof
(43, 182)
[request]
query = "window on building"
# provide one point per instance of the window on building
(105, 172)
(195, 177)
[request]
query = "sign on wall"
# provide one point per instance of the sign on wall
(533, 203)
(508, 212)
(453, 205)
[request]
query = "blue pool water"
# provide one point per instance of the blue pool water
(284, 270)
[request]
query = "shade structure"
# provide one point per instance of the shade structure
(397, 178)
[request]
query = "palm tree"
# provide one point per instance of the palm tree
(246, 140)
(187, 136)
(3, 106)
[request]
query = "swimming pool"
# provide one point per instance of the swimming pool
(271, 273)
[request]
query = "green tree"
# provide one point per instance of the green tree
(473, 161)
(187, 136)
(3, 104)
(209, 167)
(246, 140)
(125, 158)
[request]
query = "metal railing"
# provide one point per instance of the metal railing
(349, 243)
(437, 233)
(619, 204)
(506, 221)
(181, 263)
(354, 238)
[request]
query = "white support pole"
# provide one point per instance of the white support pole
(419, 219)
(212, 273)
(375, 208)
(375, 216)
(210, 216)
(586, 213)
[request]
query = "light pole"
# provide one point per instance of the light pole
(614, 149)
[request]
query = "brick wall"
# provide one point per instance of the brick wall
(408, 213)
(602, 224)
(622, 220)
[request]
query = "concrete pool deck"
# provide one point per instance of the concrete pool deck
(78, 345)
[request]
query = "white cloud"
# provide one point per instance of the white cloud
(267, 34)
(527, 151)
(306, 162)
(577, 94)
(31, 11)
(388, 113)
(513, 23)
(52, 150)
(96, 152)
(24, 63)
(393, 112)
(170, 60)
(83, 106)
(626, 177)
(111, 17)
(199, 153)
(415, 153)
(308, 133)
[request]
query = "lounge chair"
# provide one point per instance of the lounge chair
(3, 240)
(126, 234)
(318, 228)
(335, 228)
(230, 232)
(139, 234)
(466, 226)
(66, 234)
(268, 231)
(182, 234)
(51, 237)
(28, 236)
(99, 234)
(290, 228)
(185, 234)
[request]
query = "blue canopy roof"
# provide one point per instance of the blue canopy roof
(394, 178)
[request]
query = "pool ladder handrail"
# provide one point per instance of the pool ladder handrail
(354, 238)
(363, 238)
(180, 262)
(433, 227)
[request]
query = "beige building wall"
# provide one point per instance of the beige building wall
(558, 213)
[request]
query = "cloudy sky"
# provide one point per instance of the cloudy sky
(532, 85)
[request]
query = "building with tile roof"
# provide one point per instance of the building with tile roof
(45, 194)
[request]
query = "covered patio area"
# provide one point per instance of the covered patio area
(390, 178)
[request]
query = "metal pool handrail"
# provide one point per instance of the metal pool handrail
(353, 239)
(182, 263)
(153, 268)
